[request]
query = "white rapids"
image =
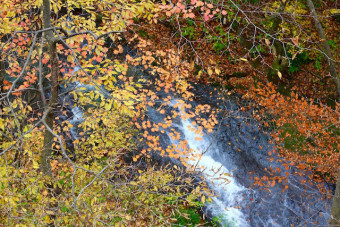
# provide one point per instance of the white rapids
(224, 206)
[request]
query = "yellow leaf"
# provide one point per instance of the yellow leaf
(107, 106)
(243, 59)
(203, 199)
(35, 165)
(279, 74)
(210, 72)
(47, 218)
(2, 124)
(217, 71)
(192, 65)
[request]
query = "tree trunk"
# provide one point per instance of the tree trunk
(2, 72)
(326, 47)
(2, 63)
(335, 212)
(52, 51)
(2, 77)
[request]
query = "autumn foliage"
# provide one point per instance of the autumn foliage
(305, 133)
(119, 59)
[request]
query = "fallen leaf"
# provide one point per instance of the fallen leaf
(210, 72)
(279, 74)
(267, 42)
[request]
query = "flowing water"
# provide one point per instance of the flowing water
(229, 191)
(236, 149)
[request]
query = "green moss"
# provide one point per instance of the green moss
(188, 217)
(143, 33)
(292, 139)
(298, 61)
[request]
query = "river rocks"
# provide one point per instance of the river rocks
(243, 147)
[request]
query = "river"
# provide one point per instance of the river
(239, 148)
